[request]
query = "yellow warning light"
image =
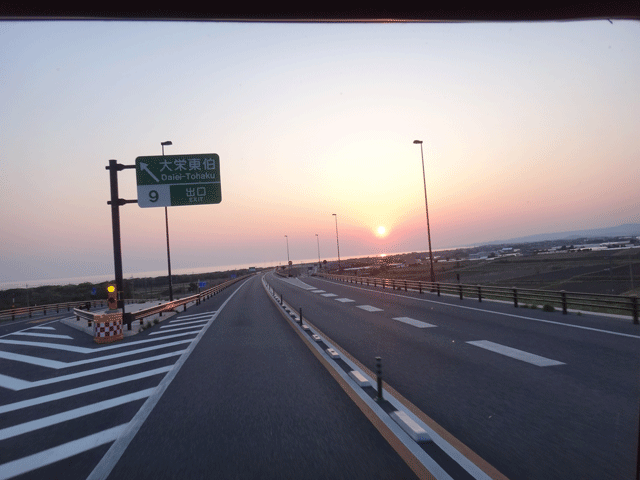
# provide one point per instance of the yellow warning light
(112, 301)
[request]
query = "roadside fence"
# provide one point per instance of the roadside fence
(521, 297)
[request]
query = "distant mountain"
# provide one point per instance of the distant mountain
(626, 230)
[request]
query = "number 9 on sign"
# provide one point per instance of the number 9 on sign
(154, 196)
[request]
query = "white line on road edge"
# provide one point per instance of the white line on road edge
(491, 311)
(415, 323)
(517, 354)
(113, 455)
(430, 464)
(55, 454)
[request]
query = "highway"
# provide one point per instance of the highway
(537, 395)
(225, 389)
(233, 388)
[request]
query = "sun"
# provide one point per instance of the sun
(381, 231)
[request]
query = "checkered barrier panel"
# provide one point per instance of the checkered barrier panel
(108, 328)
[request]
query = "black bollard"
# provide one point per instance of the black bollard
(379, 375)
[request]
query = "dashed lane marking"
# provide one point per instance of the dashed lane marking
(414, 322)
(517, 354)
(329, 295)
(344, 300)
(369, 308)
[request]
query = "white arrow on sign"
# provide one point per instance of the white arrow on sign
(143, 166)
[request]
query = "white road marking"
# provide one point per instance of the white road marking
(415, 323)
(80, 390)
(42, 328)
(195, 316)
(360, 379)
(55, 454)
(115, 452)
(414, 430)
(16, 384)
(512, 315)
(181, 321)
(185, 323)
(317, 291)
(329, 295)
(177, 329)
(33, 425)
(71, 348)
(55, 364)
(43, 335)
(517, 354)
(369, 308)
(344, 300)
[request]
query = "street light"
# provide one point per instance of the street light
(426, 206)
(288, 261)
(337, 241)
(166, 222)
(318, 240)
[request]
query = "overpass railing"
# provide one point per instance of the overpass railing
(12, 313)
(519, 296)
(164, 307)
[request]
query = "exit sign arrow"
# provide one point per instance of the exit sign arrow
(176, 180)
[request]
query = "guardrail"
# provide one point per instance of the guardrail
(519, 296)
(164, 307)
(30, 311)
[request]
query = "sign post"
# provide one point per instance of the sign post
(178, 180)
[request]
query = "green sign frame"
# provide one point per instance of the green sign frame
(178, 180)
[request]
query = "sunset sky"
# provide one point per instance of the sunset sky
(527, 128)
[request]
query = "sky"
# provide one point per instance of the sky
(527, 128)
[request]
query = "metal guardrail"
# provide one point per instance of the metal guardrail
(57, 307)
(519, 296)
(164, 307)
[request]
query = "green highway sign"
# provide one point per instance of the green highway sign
(173, 180)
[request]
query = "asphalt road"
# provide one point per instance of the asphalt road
(252, 401)
(538, 395)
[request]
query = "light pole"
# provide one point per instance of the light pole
(337, 241)
(426, 206)
(288, 261)
(318, 240)
(166, 222)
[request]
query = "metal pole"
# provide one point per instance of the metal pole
(288, 261)
(115, 224)
(318, 239)
(426, 206)
(166, 222)
(337, 241)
